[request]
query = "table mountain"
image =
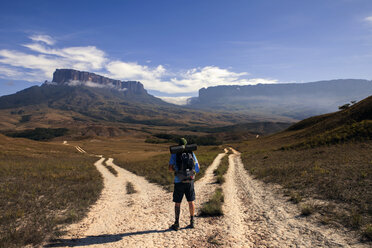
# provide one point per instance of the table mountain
(74, 77)
(298, 101)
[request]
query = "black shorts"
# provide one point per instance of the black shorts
(186, 189)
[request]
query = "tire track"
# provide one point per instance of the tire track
(258, 217)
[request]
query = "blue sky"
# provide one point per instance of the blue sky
(176, 47)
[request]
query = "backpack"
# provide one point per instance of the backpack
(186, 166)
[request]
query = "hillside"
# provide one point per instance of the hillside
(323, 164)
(353, 123)
(299, 101)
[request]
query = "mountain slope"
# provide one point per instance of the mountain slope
(292, 100)
(323, 164)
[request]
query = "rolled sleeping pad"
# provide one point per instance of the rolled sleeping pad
(187, 148)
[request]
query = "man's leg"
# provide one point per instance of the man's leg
(177, 211)
(177, 199)
(192, 213)
(192, 208)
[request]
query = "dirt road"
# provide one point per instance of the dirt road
(254, 216)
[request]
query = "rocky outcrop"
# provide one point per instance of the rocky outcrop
(74, 77)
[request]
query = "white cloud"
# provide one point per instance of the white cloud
(41, 64)
(83, 58)
(43, 38)
(178, 100)
(368, 19)
(133, 71)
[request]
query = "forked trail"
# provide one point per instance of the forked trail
(254, 216)
(141, 219)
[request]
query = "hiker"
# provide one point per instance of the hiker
(182, 185)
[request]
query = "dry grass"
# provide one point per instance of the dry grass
(221, 170)
(110, 168)
(130, 188)
(340, 174)
(42, 186)
(213, 207)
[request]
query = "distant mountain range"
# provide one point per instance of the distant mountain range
(96, 104)
(298, 101)
(77, 99)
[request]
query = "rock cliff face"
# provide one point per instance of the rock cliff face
(74, 77)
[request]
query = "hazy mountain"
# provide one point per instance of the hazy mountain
(292, 100)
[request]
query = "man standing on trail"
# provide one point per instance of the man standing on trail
(183, 187)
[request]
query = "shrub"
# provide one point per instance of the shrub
(25, 118)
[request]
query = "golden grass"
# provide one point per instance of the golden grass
(42, 186)
(340, 174)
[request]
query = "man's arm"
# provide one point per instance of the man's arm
(196, 163)
(172, 162)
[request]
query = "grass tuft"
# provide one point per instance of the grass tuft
(221, 170)
(130, 188)
(112, 170)
(295, 197)
(307, 209)
(367, 232)
(214, 206)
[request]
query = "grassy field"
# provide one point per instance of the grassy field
(331, 180)
(339, 173)
(42, 187)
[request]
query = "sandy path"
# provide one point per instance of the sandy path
(257, 217)
(142, 219)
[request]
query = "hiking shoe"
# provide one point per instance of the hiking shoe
(191, 224)
(175, 226)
